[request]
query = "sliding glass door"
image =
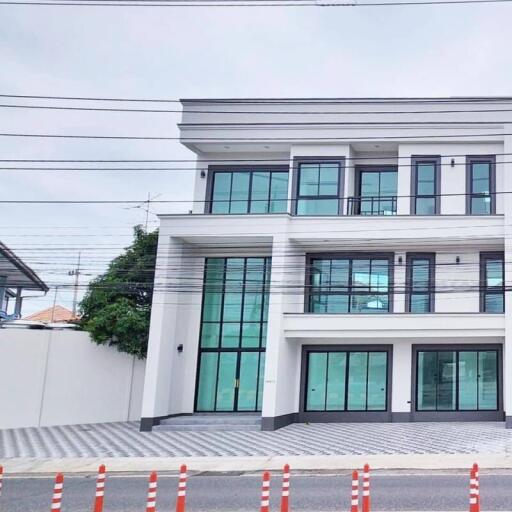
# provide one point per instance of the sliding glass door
(457, 380)
(340, 380)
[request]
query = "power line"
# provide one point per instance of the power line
(244, 3)
(257, 112)
(234, 161)
(294, 101)
(205, 168)
(383, 199)
(252, 139)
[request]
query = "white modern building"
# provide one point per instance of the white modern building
(345, 261)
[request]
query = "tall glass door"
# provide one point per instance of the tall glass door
(233, 335)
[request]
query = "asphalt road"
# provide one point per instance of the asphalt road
(315, 493)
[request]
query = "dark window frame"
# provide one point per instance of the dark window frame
(213, 169)
(336, 416)
(351, 256)
(484, 290)
(261, 349)
(415, 161)
(297, 161)
(475, 159)
(410, 257)
(358, 170)
(457, 414)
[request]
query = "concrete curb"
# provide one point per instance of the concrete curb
(257, 463)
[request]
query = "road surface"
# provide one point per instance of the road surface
(315, 493)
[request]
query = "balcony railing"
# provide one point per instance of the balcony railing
(371, 205)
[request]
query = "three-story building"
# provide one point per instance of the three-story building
(344, 260)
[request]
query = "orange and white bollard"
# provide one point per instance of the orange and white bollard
(473, 502)
(477, 481)
(366, 488)
(285, 493)
(182, 489)
(151, 500)
(265, 492)
(1, 478)
(100, 490)
(354, 501)
(57, 492)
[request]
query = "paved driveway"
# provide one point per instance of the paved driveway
(124, 440)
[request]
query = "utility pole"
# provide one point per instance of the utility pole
(76, 273)
(147, 210)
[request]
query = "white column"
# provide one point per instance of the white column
(159, 399)
(402, 375)
(282, 366)
(507, 206)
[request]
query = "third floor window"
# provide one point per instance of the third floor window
(248, 191)
(481, 185)
(425, 198)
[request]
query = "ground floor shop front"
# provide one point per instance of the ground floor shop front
(362, 382)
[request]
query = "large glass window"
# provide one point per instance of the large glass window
(377, 191)
(425, 186)
(350, 284)
(249, 191)
(492, 282)
(346, 381)
(420, 283)
(318, 188)
(233, 334)
(457, 380)
(481, 185)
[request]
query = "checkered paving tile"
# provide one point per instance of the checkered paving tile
(124, 440)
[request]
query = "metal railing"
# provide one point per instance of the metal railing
(372, 205)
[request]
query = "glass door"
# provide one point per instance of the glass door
(377, 191)
(457, 380)
(233, 334)
(230, 381)
(345, 381)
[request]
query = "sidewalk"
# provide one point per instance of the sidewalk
(80, 448)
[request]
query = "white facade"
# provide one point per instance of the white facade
(226, 134)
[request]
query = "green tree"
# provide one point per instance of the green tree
(117, 306)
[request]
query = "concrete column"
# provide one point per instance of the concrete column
(159, 398)
(282, 366)
(18, 303)
(507, 206)
(399, 279)
(402, 375)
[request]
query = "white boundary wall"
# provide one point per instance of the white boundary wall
(60, 377)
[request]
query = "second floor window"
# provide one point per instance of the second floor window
(356, 284)
(319, 188)
(376, 190)
(249, 191)
(425, 185)
(481, 185)
(492, 282)
(420, 283)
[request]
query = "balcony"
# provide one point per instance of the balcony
(372, 205)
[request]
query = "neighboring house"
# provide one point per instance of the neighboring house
(57, 314)
(346, 267)
(15, 277)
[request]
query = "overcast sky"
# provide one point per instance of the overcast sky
(192, 52)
